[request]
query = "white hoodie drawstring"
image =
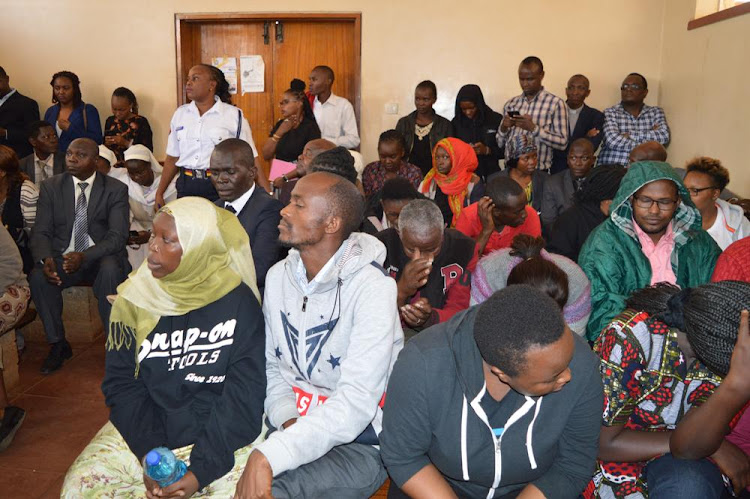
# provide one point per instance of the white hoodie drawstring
(529, 448)
(464, 460)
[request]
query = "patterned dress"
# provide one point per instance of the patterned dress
(135, 129)
(648, 386)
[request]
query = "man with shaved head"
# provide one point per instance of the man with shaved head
(332, 336)
(286, 182)
(79, 236)
(583, 121)
(233, 172)
(648, 151)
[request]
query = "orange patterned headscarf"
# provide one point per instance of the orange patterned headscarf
(455, 184)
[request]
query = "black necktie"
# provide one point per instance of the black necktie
(230, 209)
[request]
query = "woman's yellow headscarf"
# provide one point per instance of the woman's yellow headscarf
(216, 257)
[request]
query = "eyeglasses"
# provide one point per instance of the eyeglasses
(694, 191)
(647, 203)
(631, 86)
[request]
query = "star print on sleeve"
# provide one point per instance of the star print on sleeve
(278, 353)
(334, 361)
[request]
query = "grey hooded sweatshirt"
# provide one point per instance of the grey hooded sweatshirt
(434, 414)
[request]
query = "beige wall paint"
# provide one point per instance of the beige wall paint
(132, 44)
(704, 91)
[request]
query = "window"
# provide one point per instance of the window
(712, 11)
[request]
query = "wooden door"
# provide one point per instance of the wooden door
(308, 40)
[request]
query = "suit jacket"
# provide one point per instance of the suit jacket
(260, 218)
(589, 118)
(29, 168)
(108, 218)
(557, 197)
(16, 115)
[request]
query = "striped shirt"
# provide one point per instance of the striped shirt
(549, 114)
(651, 124)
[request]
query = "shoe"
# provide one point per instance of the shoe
(12, 421)
(58, 354)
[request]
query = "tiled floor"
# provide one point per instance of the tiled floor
(63, 412)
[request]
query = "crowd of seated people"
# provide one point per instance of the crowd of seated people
(526, 303)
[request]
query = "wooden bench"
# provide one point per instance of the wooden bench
(9, 352)
(80, 316)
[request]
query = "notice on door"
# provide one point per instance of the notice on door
(228, 66)
(253, 71)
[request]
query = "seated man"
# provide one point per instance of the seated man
(653, 234)
(79, 236)
(647, 151)
(332, 336)
(590, 208)
(631, 122)
(385, 206)
(498, 217)
(431, 264)
(725, 222)
(285, 183)
(232, 173)
(583, 121)
(46, 160)
(501, 401)
(672, 386)
(560, 188)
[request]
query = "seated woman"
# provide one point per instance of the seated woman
(662, 360)
(391, 164)
(142, 174)
(501, 401)
(423, 128)
(521, 167)
(590, 208)
(476, 123)
(526, 262)
(451, 182)
(106, 160)
(14, 298)
(18, 198)
(185, 365)
(705, 179)
(71, 117)
(296, 127)
(126, 127)
(385, 206)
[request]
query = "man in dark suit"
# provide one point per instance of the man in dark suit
(79, 236)
(232, 173)
(46, 160)
(17, 112)
(560, 187)
(583, 121)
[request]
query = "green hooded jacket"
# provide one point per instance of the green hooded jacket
(612, 258)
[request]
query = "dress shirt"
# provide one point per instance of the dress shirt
(617, 121)
(336, 121)
(77, 193)
(43, 164)
(659, 254)
(192, 137)
(573, 115)
(550, 115)
(239, 203)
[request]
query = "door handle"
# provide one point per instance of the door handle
(266, 37)
(279, 31)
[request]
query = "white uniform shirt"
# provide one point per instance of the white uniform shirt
(336, 121)
(77, 194)
(192, 137)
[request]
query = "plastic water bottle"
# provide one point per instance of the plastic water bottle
(161, 466)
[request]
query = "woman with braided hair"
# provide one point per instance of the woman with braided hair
(296, 127)
(676, 371)
(196, 128)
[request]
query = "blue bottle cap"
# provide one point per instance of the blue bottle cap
(153, 458)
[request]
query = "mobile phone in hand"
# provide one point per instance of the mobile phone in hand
(514, 114)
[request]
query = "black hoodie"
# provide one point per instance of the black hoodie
(433, 415)
(202, 381)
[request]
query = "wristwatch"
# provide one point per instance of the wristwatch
(285, 178)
